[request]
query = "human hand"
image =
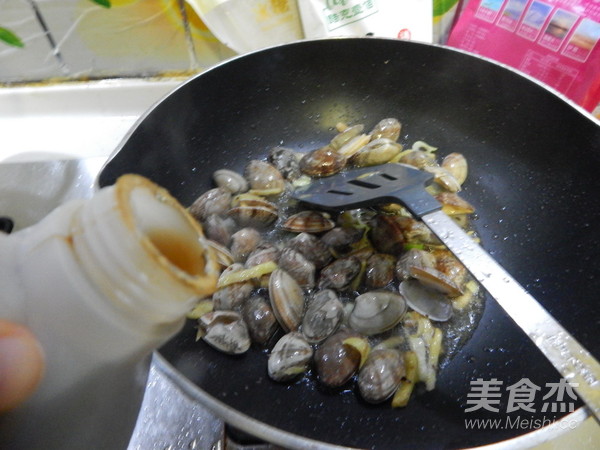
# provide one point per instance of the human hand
(21, 364)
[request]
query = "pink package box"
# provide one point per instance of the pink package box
(554, 41)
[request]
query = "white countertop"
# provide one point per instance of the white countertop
(73, 120)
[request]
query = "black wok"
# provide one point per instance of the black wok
(534, 178)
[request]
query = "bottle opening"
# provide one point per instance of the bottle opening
(176, 249)
(169, 229)
(170, 234)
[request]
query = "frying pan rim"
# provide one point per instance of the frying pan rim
(232, 59)
(252, 426)
(276, 436)
(260, 429)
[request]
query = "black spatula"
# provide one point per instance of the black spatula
(406, 185)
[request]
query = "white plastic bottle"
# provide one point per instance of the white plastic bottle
(101, 283)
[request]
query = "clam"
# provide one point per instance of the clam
(254, 213)
(218, 228)
(259, 318)
(243, 242)
(340, 273)
(453, 204)
(416, 231)
(376, 152)
(437, 280)
(354, 145)
(377, 311)
(287, 299)
(426, 301)
(323, 316)
(313, 248)
(322, 162)
(298, 266)
(230, 180)
(340, 239)
(450, 266)
(417, 158)
(389, 128)
(444, 178)
(342, 138)
(225, 331)
(233, 295)
(251, 199)
(381, 374)
(286, 161)
(308, 222)
(290, 357)
(379, 270)
(224, 257)
(264, 177)
(214, 201)
(413, 258)
(264, 252)
(387, 233)
(335, 362)
(456, 164)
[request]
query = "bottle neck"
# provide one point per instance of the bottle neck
(143, 251)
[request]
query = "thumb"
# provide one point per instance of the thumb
(21, 364)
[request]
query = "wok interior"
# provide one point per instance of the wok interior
(534, 162)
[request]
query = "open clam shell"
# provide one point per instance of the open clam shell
(426, 301)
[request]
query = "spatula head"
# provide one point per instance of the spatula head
(367, 186)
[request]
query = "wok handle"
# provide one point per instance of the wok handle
(567, 355)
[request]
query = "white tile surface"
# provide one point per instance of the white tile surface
(72, 120)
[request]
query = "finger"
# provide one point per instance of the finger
(21, 364)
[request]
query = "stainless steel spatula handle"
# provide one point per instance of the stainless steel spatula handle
(569, 358)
